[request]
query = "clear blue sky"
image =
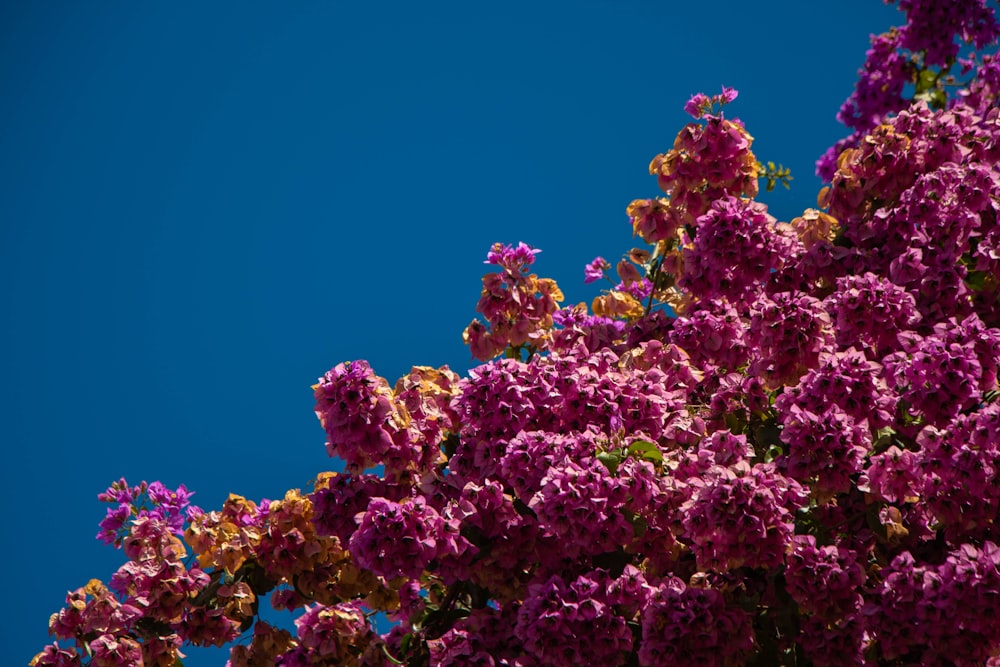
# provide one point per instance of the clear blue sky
(205, 206)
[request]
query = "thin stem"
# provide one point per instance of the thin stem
(652, 289)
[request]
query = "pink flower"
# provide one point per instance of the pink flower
(595, 270)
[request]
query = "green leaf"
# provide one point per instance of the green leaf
(440, 621)
(939, 99)
(611, 460)
(882, 443)
(644, 449)
(734, 423)
(765, 435)
(926, 80)
(639, 525)
(976, 280)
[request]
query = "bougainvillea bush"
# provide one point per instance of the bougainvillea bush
(766, 443)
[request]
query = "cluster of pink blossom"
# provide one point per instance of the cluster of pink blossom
(767, 443)
(931, 28)
(401, 539)
(825, 581)
(825, 449)
(940, 614)
(333, 635)
(687, 625)
(153, 500)
(714, 334)
(708, 161)
(581, 504)
(737, 247)
(946, 371)
(342, 497)
(567, 623)
(848, 380)
(358, 414)
(789, 331)
(740, 516)
(577, 327)
(518, 306)
(960, 474)
(869, 312)
(921, 54)
(480, 639)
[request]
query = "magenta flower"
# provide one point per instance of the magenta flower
(693, 626)
(514, 260)
(566, 623)
(701, 105)
(740, 515)
(152, 500)
(401, 539)
(594, 271)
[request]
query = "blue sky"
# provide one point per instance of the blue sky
(206, 206)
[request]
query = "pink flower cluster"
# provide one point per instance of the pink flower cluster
(567, 623)
(334, 635)
(401, 539)
(931, 28)
(517, 305)
(144, 500)
(740, 516)
(685, 625)
(768, 443)
(737, 247)
(920, 53)
(869, 312)
(362, 422)
(933, 614)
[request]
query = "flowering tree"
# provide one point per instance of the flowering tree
(766, 443)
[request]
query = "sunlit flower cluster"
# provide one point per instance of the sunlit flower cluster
(518, 306)
(766, 443)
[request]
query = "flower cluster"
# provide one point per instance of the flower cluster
(942, 373)
(960, 473)
(99, 624)
(880, 84)
(768, 443)
(931, 28)
(936, 614)
(736, 249)
(144, 500)
(825, 581)
(362, 421)
(334, 635)
(708, 160)
(713, 334)
(847, 380)
(789, 332)
(479, 639)
(568, 623)
(401, 539)
(576, 327)
(826, 449)
(518, 306)
(684, 625)
(581, 505)
(869, 313)
(740, 516)
(920, 54)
